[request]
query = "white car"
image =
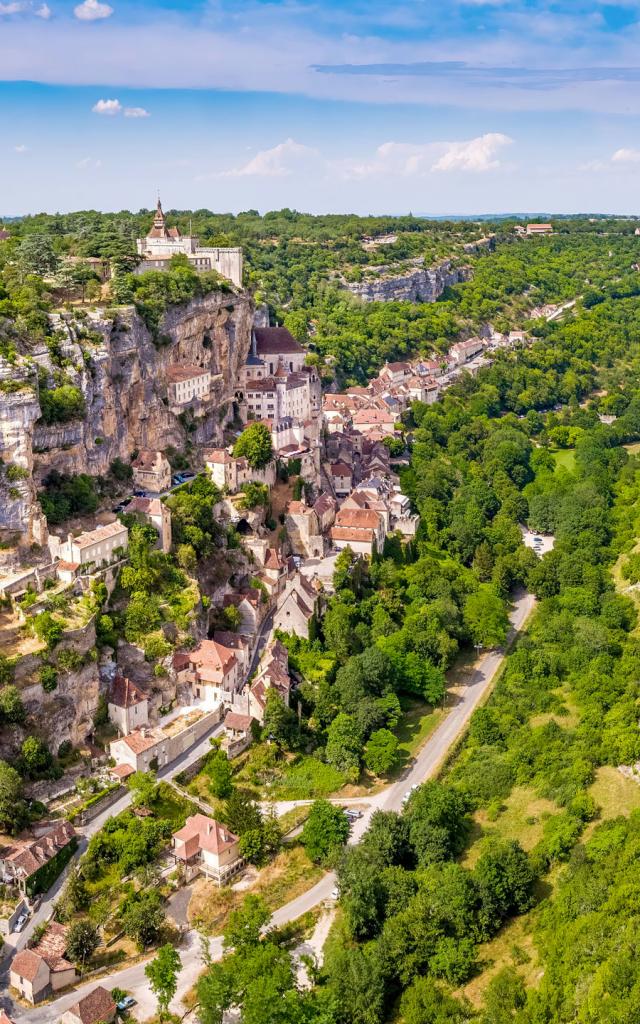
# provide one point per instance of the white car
(20, 923)
(335, 894)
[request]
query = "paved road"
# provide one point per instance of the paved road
(429, 759)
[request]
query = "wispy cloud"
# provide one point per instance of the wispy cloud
(12, 8)
(88, 163)
(43, 11)
(21, 148)
(626, 156)
(136, 112)
(278, 162)
(108, 108)
(92, 10)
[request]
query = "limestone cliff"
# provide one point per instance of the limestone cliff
(416, 284)
(110, 355)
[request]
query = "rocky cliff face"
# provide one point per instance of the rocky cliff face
(419, 284)
(111, 356)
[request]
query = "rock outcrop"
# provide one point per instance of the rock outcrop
(417, 284)
(111, 356)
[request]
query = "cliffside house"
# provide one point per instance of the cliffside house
(205, 846)
(395, 372)
(98, 1007)
(272, 674)
(186, 384)
(303, 530)
(155, 513)
(361, 529)
(229, 473)
(297, 606)
(162, 243)
(151, 471)
(39, 972)
(252, 605)
(128, 705)
(213, 670)
(99, 547)
(341, 477)
(238, 736)
(20, 862)
(271, 348)
(463, 351)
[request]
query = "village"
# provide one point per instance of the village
(331, 478)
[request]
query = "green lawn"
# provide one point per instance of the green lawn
(416, 725)
(564, 458)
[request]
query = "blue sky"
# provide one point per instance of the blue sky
(369, 106)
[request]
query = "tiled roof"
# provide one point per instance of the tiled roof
(203, 833)
(27, 963)
(239, 723)
(96, 1008)
(87, 540)
(218, 456)
(31, 856)
(124, 693)
(352, 533)
(340, 469)
(145, 506)
(139, 742)
(275, 341)
(179, 373)
(362, 518)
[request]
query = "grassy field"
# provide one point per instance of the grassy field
(614, 793)
(564, 458)
(288, 876)
(522, 818)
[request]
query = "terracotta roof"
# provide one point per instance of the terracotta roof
(298, 508)
(178, 373)
(4, 1018)
(340, 469)
(239, 723)
(362, 518)
(52, 946)
(323, 503)
(138, 743)
(124, 693)
(273, 560)
(275, 341)
(65, 566)
(212, 656)
(27, 963)
(87, 540)
(267, 384)
(373, 416)
(28, 857)
(96, 1008)
(396, 367)
(218, 456)
(145, 506)
(365, 535)
(203, 833)
(121, 771)
(146, 459)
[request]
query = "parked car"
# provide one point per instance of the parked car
(537, 540)
(352, 814)
(187, 475)
(126, 1003)
(22, 920)
(335, 895)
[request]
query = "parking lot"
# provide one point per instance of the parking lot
(539, 542)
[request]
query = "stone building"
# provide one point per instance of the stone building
(162, 243)
(151, 471)
(127, 705)
(42, 970)
(156, 514)
(205, 846)
(187, 384)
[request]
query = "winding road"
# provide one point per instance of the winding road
(425, 766)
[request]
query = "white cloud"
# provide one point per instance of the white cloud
(136, 112)
(12, 8)
(43, 11)
(412, 160)
(476, 155)
(279, 162)
(109, 108)
(92, 10)
(626, 156)
(20, 148)
(88, 163)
